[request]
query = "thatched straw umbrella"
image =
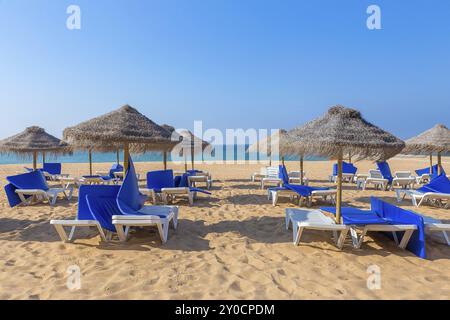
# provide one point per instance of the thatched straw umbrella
(266, 144)
(31, 141)
(186, 140)
(124, 129)
(436, 139)
(343, 130)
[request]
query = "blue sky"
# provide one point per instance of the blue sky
(230, 63)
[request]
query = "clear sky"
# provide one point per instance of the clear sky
(230, 63)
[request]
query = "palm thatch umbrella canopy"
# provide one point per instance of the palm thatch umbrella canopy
(342, 130)
(31, 141)
(124, 128)
(266, 145)
(185, 139)
(434, 140)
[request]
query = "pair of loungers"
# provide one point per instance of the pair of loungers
(116, 209)
(163, 186)
(406, 228)
(301, 192)
(384, 179)
(437, 192)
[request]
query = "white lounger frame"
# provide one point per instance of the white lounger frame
(37, 195)
(122, 224)
(324, 194)
(271, 177)
(302, 220)
(407, 228)
(419, 198)
(205, 178)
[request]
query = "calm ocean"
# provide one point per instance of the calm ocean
(82, 157)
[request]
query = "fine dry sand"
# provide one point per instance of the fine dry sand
(232, 245)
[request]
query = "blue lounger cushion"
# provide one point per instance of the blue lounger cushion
(433, 174)
(160, 179)
(52, 168)
(390, 214)
(304, 191)
(129, 199)
(84, 213)
(346, 168)
(440, 184)
(385, 170)
(115, 168)
(29, 180)
(103, 208)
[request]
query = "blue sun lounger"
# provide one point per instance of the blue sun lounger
(348, 172)
(298, 191)
(436, 192)
(405, 227)
(27, 188)
(162, 184)
(424, 174)
(115, 209)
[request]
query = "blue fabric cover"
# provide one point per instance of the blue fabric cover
(157, 180)
(346, 168)
(385, 171)
(387, 214)
(304, 191)
(129, 199)
(427, 171)
(441, 184)
(84, 212)
(52, 168)
(115, 168)
(103, 209)
(12, 196)
(29, 180)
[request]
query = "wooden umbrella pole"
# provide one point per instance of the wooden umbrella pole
(301, 169)
(270, 159)
(185, 162)
(34, 160)
(90, 162)
(165, 159)
(339, 189)
(431, 163)
(192, 157)
(118, 156)
(282, 161)
(439, 169)
(126, 157)
(43, 158)
(349, 157)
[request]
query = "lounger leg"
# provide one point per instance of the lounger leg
(163, 229)
(274, 198)
(298, 235)
(72, 232)
(287, 220)
(406, 238)
(398, 193)
(342, 237)
(61, 232)
(446, 237)
(104, 237)
(361, 238)
(191, 198)
(394, 235)
(120, 232)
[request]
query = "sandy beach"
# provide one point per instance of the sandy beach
(232, 245)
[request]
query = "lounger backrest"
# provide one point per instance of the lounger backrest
(115, 168)
(346, 168)
(272, 172)
(282, 174)
(375, 174)
(403, 174)
(385, 170)
(84, 212)
(12, 196)
(263, 171)
(160, 179)
(129, 199)
(29, 180)
(103, 208)
(396, 215)
(440, 184)
(52, 168)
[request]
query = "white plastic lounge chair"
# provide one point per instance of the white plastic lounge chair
(408, 230)
(435, 225)
(326, 195)
(294, 177)
(29, 196)
(271, 178)
(302, 220)
(418, 198)
(72, 224)
(259, 175)
(376, 178)
(404, 179)
(200, 178)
